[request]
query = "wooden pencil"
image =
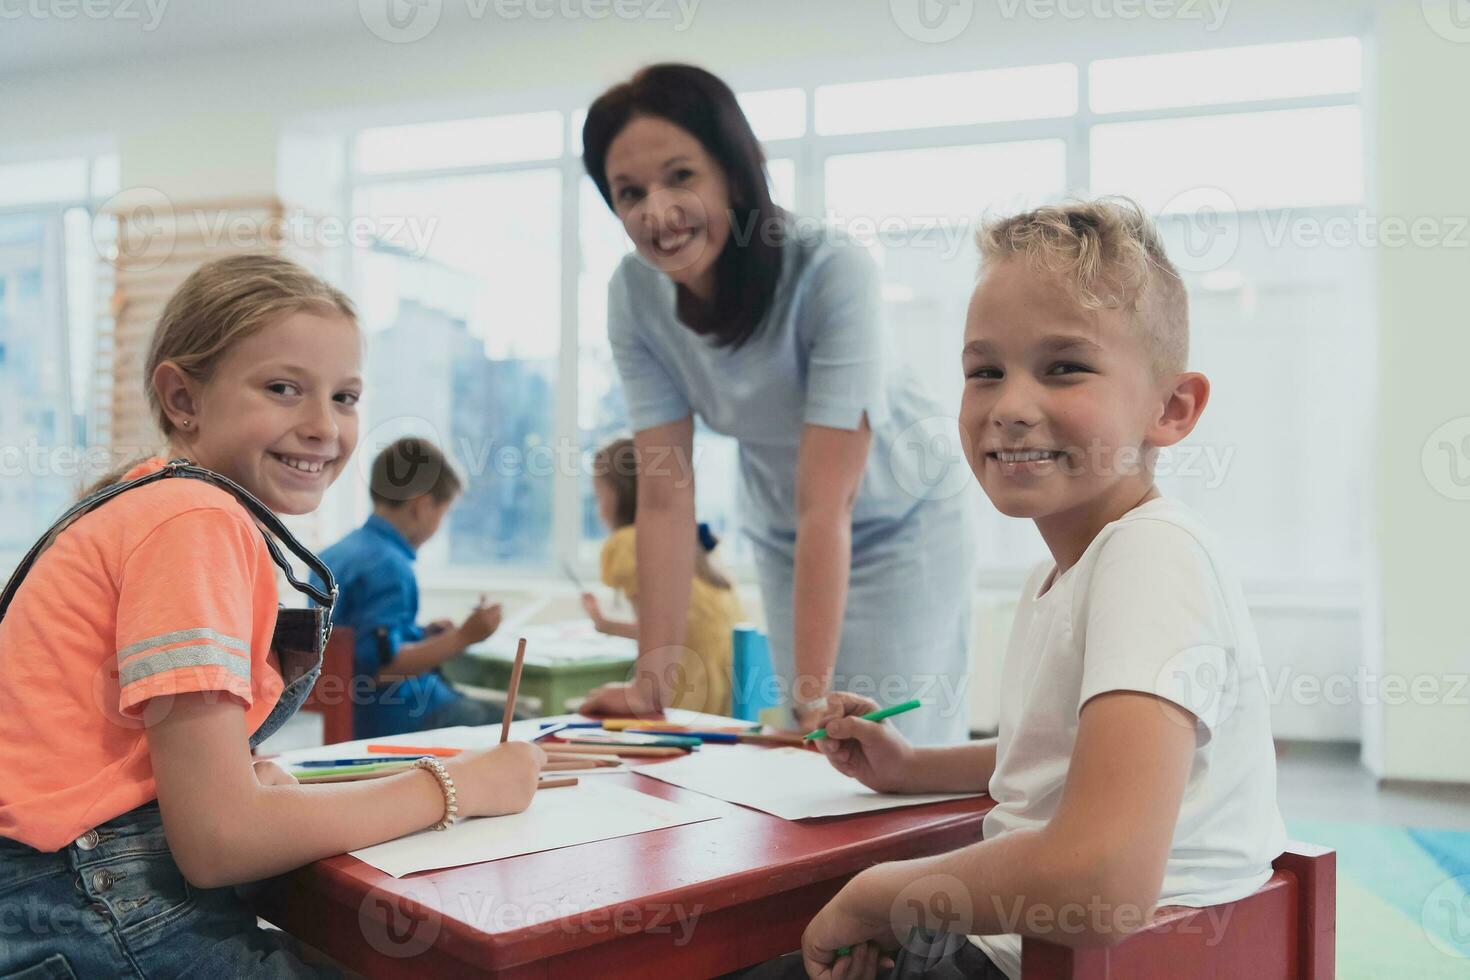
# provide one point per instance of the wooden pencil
(510, 692)
(630, 751)
(554, 783)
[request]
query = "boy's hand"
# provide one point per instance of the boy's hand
(593, 610)
(842, 923)
(495, 781)
(480, 623)
(873, 753)
(270, 773)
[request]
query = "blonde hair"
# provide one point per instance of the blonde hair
(616, 465)
(1107, 254)
(222, 303)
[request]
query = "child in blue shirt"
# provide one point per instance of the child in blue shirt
(397, 685)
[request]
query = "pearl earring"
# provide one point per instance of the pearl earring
(185, 423)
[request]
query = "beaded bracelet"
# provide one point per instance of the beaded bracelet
(446, 783)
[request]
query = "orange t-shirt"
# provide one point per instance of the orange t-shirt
(167, 589)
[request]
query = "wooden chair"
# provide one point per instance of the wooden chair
(1285, 931)
(332, 693)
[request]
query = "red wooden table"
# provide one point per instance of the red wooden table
(690, 901)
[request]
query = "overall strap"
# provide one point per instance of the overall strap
(183, 468)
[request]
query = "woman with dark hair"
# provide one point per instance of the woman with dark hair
(772, 333)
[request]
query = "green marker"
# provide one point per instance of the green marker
(878, 715)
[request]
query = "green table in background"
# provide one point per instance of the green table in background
(548, 681)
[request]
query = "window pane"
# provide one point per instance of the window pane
(952, 184)
(462, 304)
(35, 415)
(783, 182)
(917, 209)
(43, 182)
(1263, 71)
(459, 143)
(1298, 157)
(776, 114)
(601, 413)
(1264, 327)
(997, 95)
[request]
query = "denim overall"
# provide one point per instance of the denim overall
(113, 903)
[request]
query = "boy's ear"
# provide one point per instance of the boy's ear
(1183, 404)
(177, 395)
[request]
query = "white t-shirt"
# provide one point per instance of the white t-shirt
(1149, 607)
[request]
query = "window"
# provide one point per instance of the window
(469, 314)
(48, 273)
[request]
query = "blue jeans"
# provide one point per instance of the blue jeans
(114, 904)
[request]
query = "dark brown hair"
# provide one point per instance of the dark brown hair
(699, 103)
(410, 468)
(616, 465)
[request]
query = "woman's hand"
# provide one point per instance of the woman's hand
(845, 923)
(871, 752)
(495, 781)
(269, 773)
(626, 700)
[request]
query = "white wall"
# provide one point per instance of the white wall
(1422, 519)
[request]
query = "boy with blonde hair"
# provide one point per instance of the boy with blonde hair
(1134, 765)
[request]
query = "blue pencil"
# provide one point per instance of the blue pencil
(333, 763)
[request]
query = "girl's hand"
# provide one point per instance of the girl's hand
(625, 700)
(496, 781)
(842, 925)
(593, 610)
(873, 753)
(269, 773)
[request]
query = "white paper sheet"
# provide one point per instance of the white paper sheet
(589, 811)
(795, 784)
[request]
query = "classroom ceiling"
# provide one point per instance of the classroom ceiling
(43, 35)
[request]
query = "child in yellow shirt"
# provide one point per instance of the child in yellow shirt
(714, 609)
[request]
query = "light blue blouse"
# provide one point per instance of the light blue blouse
(819, 357)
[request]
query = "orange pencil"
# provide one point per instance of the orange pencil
(510, 693)
(436, 751)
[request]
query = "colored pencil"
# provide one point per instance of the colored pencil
(554, 783)
(331, 763)
(878, 715)
(440, 752)
(510, 692)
